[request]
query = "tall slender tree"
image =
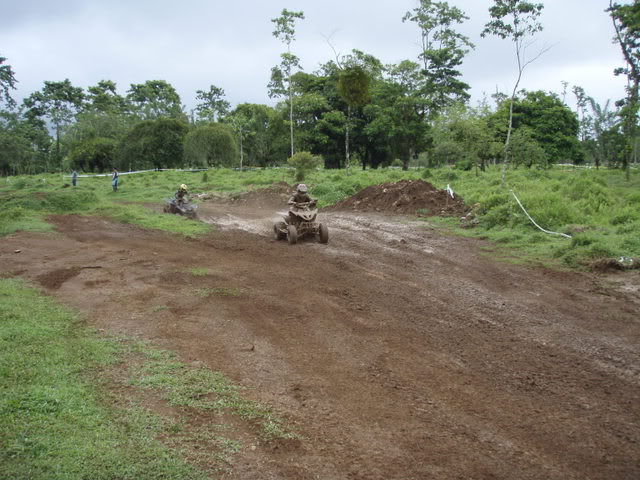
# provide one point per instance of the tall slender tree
(626, 22)
(518, 21)
(443, 50)
(281, 75)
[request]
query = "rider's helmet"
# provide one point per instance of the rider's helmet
(183, 187)
(302, 188)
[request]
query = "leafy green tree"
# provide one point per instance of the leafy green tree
(7, 83)
(212, 104)
(626, 22)
(552, 124)
(104, 98)
(153, 144)
(601, 142)
(515, 20)
(211, 145)
(58, 102)
(353, 86)
(526, 151)
(280, 83)
(265, 136)
(155, 99)
(443, 51)
(24, 144)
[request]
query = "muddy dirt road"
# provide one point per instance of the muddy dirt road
(395, 352)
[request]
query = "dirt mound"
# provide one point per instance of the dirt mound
(270, 197)
(414, 197)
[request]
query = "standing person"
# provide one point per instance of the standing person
(114, 180)
(74, 178)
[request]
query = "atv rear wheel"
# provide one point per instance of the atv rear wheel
(292, 234)
(324, 233)
(277, 230)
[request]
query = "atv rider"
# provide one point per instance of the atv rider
(181, 195)
(300, 196)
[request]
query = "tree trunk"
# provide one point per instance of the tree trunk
(346, 140)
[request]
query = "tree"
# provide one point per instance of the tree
(552, 124)
(264, 138)
(626, 22)
(7, 83)
(59, 102)
(155, 99)
(281, 75)
(211, 145)
(103, 98)
(443, 50)
(212, 104)
(153, 144)
(516, 20)
(24, 144)
(353, 87)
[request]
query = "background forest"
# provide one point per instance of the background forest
(352, 111)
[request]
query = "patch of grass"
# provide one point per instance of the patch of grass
(53, 422)
(199, 271)
(196, 387)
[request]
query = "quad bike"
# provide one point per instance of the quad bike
(300, 221)
(181, 208)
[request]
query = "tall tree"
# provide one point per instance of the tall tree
(516, 20)
(281, 75)
(155, 99)
(353, 87)
(7, 83)
(212, 104)
(104, 98)
(443, 50)
(626, 22)
(59, 102)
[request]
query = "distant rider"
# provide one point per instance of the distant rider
(300, 196)
(181, 195)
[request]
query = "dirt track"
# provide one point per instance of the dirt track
(396, 352)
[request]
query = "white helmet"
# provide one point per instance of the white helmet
(183, 187)
(302, 188)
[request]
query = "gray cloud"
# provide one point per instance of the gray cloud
(196, 43)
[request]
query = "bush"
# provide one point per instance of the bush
(304, 162)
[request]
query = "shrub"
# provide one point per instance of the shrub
(304, 162)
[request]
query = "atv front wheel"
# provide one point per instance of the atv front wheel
(292, 234)
(324, 233)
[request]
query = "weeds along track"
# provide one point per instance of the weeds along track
(394, 352)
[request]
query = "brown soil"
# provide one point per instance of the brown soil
(414, 197)
(395, 352)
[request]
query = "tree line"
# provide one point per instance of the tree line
(353, 110)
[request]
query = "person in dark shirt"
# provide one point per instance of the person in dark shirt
(300, 196)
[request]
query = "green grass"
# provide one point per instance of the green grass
(53, 421)
(60, 421)
(599, 202)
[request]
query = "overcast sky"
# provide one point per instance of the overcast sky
(193, 44)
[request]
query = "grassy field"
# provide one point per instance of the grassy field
(62, 418)
(599, 209)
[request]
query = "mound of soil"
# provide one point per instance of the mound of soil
(414, 197)
(271, 197)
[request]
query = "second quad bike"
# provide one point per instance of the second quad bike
(300, 222)
(184, 208)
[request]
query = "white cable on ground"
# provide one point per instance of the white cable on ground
(534, 222)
